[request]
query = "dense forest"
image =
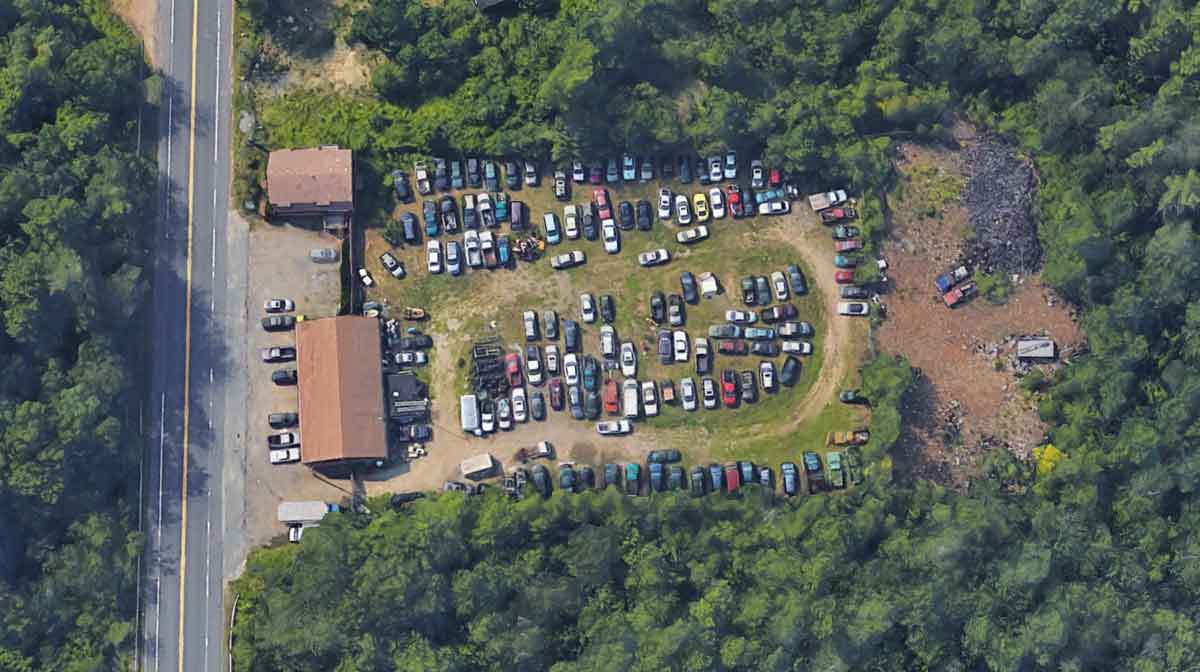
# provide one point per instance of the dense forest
(75, 199)
(1092, 562)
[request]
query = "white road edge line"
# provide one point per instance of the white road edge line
(162, 420)
(207, 567)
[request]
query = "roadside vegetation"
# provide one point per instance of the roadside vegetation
(1092, 562)
(75, 208)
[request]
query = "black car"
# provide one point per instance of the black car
(541, 479)
(764, 348)
(645, 217)
(420, 433)
(588, 224)
(762, 291)
(676, 315)
(589, 373)
(512, 175)
(278, 322)
(517, 216)
(415, 342)
(749, 387)
(571, 335)
(400, 186)
(470, 217)
(664, 456)
(790, 372)
(575, 401)
(796, 277)
(685, 169)
(854, 292)
(587, 477)
(449, 214)
(696, 481)
(401, 498)
(612, 475)
(411, 228)
(666, 354)
(625, 215)
(537, 405)
(675, 477)
(656, 477)
(591, 405)
(691, 292)
(702, 171)
(284, 377)
(608, 309)
(667, 169)
(658, 307)
(550, 325)
(282, 420)
(474, 179)
(747, 471)
(748, 296)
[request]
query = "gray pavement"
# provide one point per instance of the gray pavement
(197, 367)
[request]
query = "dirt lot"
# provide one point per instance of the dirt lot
(967, 393)
(279, 267)
(481, 303)
(140, 16)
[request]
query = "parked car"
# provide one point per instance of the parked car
(628, 360)
(553, 232)
(764, 348)
(512, 175)
(614, 427)
(625, 215)
(429, 212)
(725, 331)
(774, 207)
(843, 277)
(758, 175)
(658, 307)
(612, 173)
(734, 346)
(608, 309)
(433, 256)
(759, 333)
(676, 315)
(703, 356)
(687, 394)
(749, 296)
(400, 186)
(685, 169)
(691, 291)
(665, 355)
(700, 206)
(578, 173)
(520, 410)
(277, 354)
(612, 240)
(628, 168)
(784, 311)
(853, 308)
(421, 173)
(441, 176)
(780, 285)
(680, 341)
(845, 232)
(491, 175)
(796, 278)
(282, 420)
(364, 276)
(474, 250)
(571, 222)
(708, 389)
(649, 398)
(654, 257)
(740, 316)
(284, 377)
(733, 478)
(633, 479)
(474, 178)
(664, 204)
(556, 394)
(612, 475)
(454, 257)
(456, 174)
(410, 228)
(284, 456)
(790, 373)
(853, 292)
(647, 169)
(562, 189)
(279, 305)
(683, 210)
(791, 478)
(278, 322)
(533, 365)
(715, 169)
(795, 330)
(730, 171)
(692, 235)
(749, 386)
(567, 260)
(729, 388)
(570, 335)
(762, 291)
(766, 373)
(587, 308)
(645, 216)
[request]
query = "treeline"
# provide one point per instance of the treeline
(1094, 565)
(75, 201)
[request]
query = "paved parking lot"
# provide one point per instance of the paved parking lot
(280, 268)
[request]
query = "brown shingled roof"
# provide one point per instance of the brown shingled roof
(301, 176)
(341, 389)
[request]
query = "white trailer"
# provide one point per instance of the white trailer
(304, 513)
(469, 414)
(819, 202)
(477, 467)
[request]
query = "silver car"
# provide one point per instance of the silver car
(323, 255)
(687, 394)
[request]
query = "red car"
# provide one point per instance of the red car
(733, 479)
(512, 369)
(729, 387)
(775, 179)
(847, 245)
(556, 394)
(733, 346)
(596, 175)
(843, 277)
(603, 207)
(611, 397)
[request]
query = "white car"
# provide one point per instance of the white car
(683, 210)
(279, 305)
(612, 241)
(797, 348)
(487, 419)
(692, 235)
(533, 370)
(687, 394)
(654, 257)
(774, 208)
(614, 427)
(587, 308)
(285, 456)
(779, 283)
(503, 414)
(483, 204)
(628, 360)
(433, 255)
(531, 174)
(608, 342)
(716, 203)
(552, 360)
(854, 308)
(731, 165)
(649, 398)
(561, 262)
(628, 168)
(709, 388)
(474, 251)
(680, 339)
(578, 174)
(571, 222)
(741, 317)
(758, 175)
(715, 172)
(766, 373)
(519, 410)
(365, 276)
(664, 204)
(571, 368)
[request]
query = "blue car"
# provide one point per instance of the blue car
(566, 478)
(656, 477)
(553, 233)
(429, 211)
(716, 477)
(503, 251)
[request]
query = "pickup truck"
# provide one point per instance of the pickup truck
(422, 176)
(854, 438)
(946, 281)
(837, 476)
(829, 199)
(955, 296)
(835, 215)
(487, 246)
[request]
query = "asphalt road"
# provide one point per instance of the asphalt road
(197, 366)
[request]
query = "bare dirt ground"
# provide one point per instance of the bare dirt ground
(962, 401)
(140, 16)
(279, 267)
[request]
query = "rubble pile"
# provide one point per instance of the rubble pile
(999, 201)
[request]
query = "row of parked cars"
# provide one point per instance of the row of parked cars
(284, 445)
(662, 473)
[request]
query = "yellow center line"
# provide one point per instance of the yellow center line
(187, 333)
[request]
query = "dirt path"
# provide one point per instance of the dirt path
(140, 17)
(806, 235)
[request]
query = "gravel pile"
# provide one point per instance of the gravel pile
(999, 202)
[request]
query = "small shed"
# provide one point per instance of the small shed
(477, 467)
(1036, 348)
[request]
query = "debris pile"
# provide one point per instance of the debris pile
(999, 201)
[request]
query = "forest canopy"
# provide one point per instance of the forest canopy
(75, 198)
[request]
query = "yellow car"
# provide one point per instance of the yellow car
(700, 205)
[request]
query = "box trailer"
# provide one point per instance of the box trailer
(469, 413)
(477, 467)
(304, 513)
(1036, 348)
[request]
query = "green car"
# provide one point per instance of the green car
(500, 199)
(633, 475)
(833, 462)
(853, 468)
(843, 261)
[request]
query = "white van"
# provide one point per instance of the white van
(469, 414)
(630, 396)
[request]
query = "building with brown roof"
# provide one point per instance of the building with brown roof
(312, 182)
(342, 419)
